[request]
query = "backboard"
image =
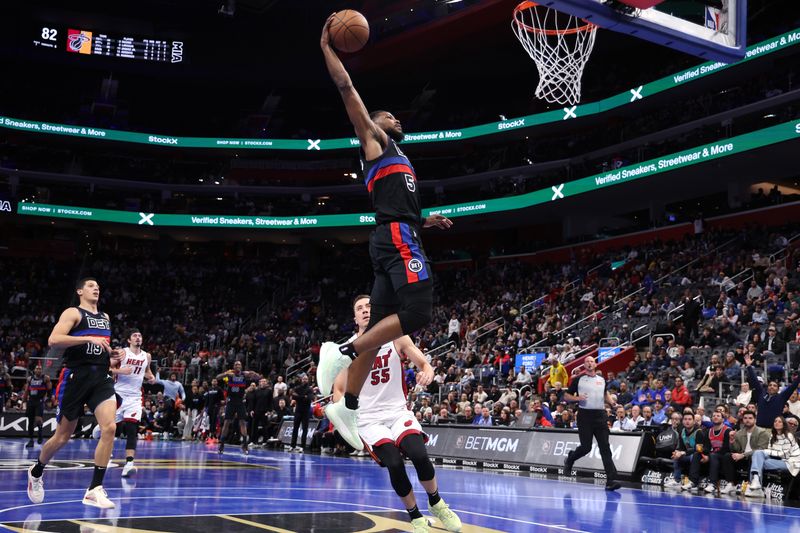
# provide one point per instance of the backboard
(711, 29)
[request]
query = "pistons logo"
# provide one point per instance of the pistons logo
(411, 183)
(415, 265)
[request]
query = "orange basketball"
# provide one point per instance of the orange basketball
(349, 31)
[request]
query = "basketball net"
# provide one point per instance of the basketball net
(559, 44)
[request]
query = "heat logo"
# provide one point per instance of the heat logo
(79, 41)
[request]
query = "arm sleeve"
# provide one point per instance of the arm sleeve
(752, 379)
(573, 387)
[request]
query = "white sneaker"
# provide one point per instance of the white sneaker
(754, 492)
(35, 487)
(331, 362)
(711, 487)
(345, 421)
(755, 483)
(727, 488)
(97, 497)
(298, 449)
(689, 486)
(671, 483)
(128, 469)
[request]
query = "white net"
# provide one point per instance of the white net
(559, 44)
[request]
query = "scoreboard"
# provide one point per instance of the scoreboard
(107, 44)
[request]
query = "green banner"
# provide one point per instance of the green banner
(568, 113)
(693, 156)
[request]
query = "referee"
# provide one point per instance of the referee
(589, 391)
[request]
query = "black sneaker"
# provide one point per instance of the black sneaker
(568, 462)
(30, 444)
(613, 485)
(39, 440)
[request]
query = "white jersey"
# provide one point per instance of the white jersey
(384, 391)
(130, 385)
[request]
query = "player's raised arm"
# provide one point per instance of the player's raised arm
(372, 138)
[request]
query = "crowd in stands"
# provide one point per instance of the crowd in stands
(716, 302)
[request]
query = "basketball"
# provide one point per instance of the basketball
(349, 31)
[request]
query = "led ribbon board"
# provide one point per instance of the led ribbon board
(693, 156)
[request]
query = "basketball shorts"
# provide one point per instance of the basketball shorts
(397, 257)
(234, 410)
(130, 410)
(34, 408)
(82, 385)
(388, 429)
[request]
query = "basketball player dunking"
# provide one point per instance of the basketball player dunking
(402, 295)
(37, 389)
(389, 429)
(133, 369)
(83, 333)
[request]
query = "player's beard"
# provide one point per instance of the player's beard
(396, 135)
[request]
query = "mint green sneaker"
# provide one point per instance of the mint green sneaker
(446, 516)
(420, 525)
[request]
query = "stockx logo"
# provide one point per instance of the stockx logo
(146, 218)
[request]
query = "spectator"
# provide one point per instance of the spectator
(173, 389)
(748, 439)
(773, 345)
(770, 402)
(745, 395)
(279, 389)
(659, 413)
(622, 423)
(719, 437)
(557, 373)
(636, 415)
(782, 453)
(794, 404)
(523, 377)
(485, 418)
(624, 397)
(680, 396)
(692, 450)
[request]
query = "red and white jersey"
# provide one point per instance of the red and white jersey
(130, 385)
(384, 391)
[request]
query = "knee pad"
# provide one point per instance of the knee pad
(393, 461)
(416, 306)
(132, 435)
(414, 448)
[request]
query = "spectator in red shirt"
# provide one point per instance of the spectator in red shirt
(680, 396)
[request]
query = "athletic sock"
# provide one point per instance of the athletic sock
(38, 469)
(97, 478)
(350, 401)
(434, 498)
(129, 459)
(348, 350)
(414, 513)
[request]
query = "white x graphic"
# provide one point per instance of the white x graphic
(636, 93)
(313, 145)
(147, 218)
(569, 112)
(557, 192)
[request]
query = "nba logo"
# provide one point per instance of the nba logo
(79, 41)
(712, 18)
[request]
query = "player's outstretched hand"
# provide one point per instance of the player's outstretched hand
(325, 40)
(439, 221)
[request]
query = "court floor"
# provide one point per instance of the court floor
(188, 487)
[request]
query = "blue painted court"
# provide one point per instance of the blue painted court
(187, 487)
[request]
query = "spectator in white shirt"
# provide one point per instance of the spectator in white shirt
(794, 404)
(636, 416)
(622, 423)
(745, 395)
(523, 378)
(754, 292)
(454, 329)
(280, 388)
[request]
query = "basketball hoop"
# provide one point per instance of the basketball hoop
(559, 44)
